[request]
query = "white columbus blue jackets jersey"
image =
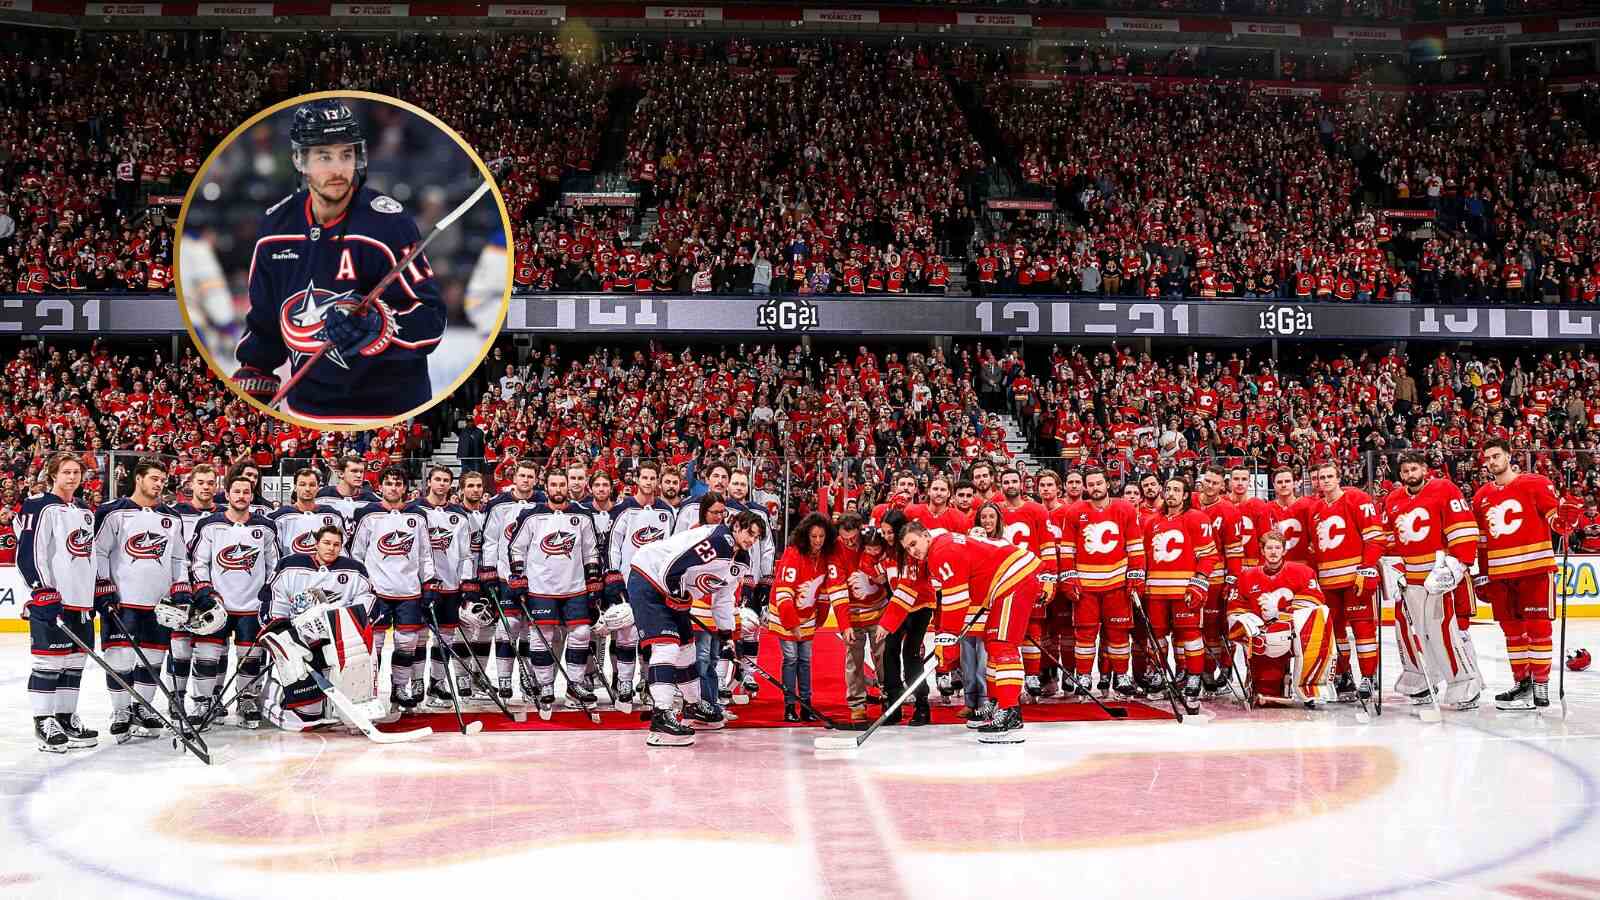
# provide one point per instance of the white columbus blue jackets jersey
(603, 520)
(300, 269)
(346, 580)
(236, 559)
(450, 535)
(347, 506)
(393, 546)
(687, 516)
(475, 517)
(555, 549)
(140, 550)
(499, 523)
(703, 561)
(55, 548)
(296, 528)
(763, 552)
(190, 515)
(634, 526)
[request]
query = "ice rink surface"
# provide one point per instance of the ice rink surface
(1275, 802)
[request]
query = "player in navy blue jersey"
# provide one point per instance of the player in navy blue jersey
(318, 251)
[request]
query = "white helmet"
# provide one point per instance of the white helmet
(616, 618)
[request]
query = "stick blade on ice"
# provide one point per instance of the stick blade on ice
(835, 743)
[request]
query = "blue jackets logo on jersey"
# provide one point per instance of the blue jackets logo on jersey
(396, 543)
(706, 584)
(439, 538)
(301, 317)
(560, 543)
(647, 535)
(145, 545)
(239, 557)
(80, 543)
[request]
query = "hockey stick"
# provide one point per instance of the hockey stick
(150, 670)
(211, 714)
(787, 697)
(347, 709)
(496, 167)
(477, 674)
(1115, 712)
(855, 741)
(455, 699)
(197, 746)
(1154, 648)
(555, 667)
(522, 663)
(1430, 713)
(1561, 660)
(1364, 716)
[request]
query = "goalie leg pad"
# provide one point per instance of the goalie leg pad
(1413, 599)
(1313, 647)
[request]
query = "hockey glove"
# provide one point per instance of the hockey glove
(44, 596)
(365, 334)
(106, 598)
(256, 384)
(469, 590)
(203, 591)
(181, 595)
(430, 593)
(614, 591)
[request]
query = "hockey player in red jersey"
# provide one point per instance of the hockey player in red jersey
(1291, 515)
(1515, 512)
(905, 622)
(1182, 558)
(998, 579)
(1100, 558)
(1431, 528)
(1255, 517)
(1346, 541)
(1281, 615)
(1026, 527)
(1224, 529)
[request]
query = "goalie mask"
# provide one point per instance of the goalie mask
(477, 612)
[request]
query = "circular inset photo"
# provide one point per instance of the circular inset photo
(342, 260)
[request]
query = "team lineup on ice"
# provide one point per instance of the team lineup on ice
(1184, 670)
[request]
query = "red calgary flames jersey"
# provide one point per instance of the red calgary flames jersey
(1294, 522)
(1027, 527)
(1255, 520)
(1433, 519)
(1346, 535)
(1099, 546)
(800, 594)
(1514, 524)
(970, 571)
(1223, 527)
(1272, 594)
(1180, 554)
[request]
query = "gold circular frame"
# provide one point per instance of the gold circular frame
(199, 179)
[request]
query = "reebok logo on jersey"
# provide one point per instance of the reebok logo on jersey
(80, 543)
(647, 535)
(145, 545)
(439, 538)
(396, 543)
(560, 543)
(300, 318)
(239, 558)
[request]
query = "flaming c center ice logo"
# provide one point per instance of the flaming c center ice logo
(239, 557)
(1503, 519)
(647, 535)
(439, 538)
(300, 319)
(558, 543)
(397, 543)
(80, 543)
(145, 545)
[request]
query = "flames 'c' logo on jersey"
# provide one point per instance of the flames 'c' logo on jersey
(239, 557)
(1503, 518)
(80, 543)
(1101, 537)
(1291, 533)
(439, 538)
(559, 543)
(1167, 545)
(397, 543)
(1412, 525)
(145, 545)
(1330, 532)
(1270, 602)
(647, 535)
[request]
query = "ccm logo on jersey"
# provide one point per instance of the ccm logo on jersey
(1101, 537)
(1503, 519)
(559, 544)
(80, 543)
(647, 535)
(145, 545)
(396, 543)
(239, 558)
(1412, 526)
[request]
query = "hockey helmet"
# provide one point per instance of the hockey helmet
(206, 615)
(322, 123)
(1578, 660)
(478, 612)
(615, 618)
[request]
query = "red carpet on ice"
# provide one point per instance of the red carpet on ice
(766, 710)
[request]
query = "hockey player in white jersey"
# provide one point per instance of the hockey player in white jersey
(636, 522)
(555, 571)
(390, 539)
(318, 608)
(350, 491)
(233, 556)
(296, 522)
(142, 587)
(688, 515)
(251, 471)
(662, 581)
(55, 534)
(450, 537)
(200, 502)
(499, 521)
(600, 504)
(479, 638)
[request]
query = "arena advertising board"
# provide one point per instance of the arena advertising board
(1043, 318)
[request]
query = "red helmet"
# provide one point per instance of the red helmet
(1578, 660)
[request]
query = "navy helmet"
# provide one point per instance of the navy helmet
(322, 123)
